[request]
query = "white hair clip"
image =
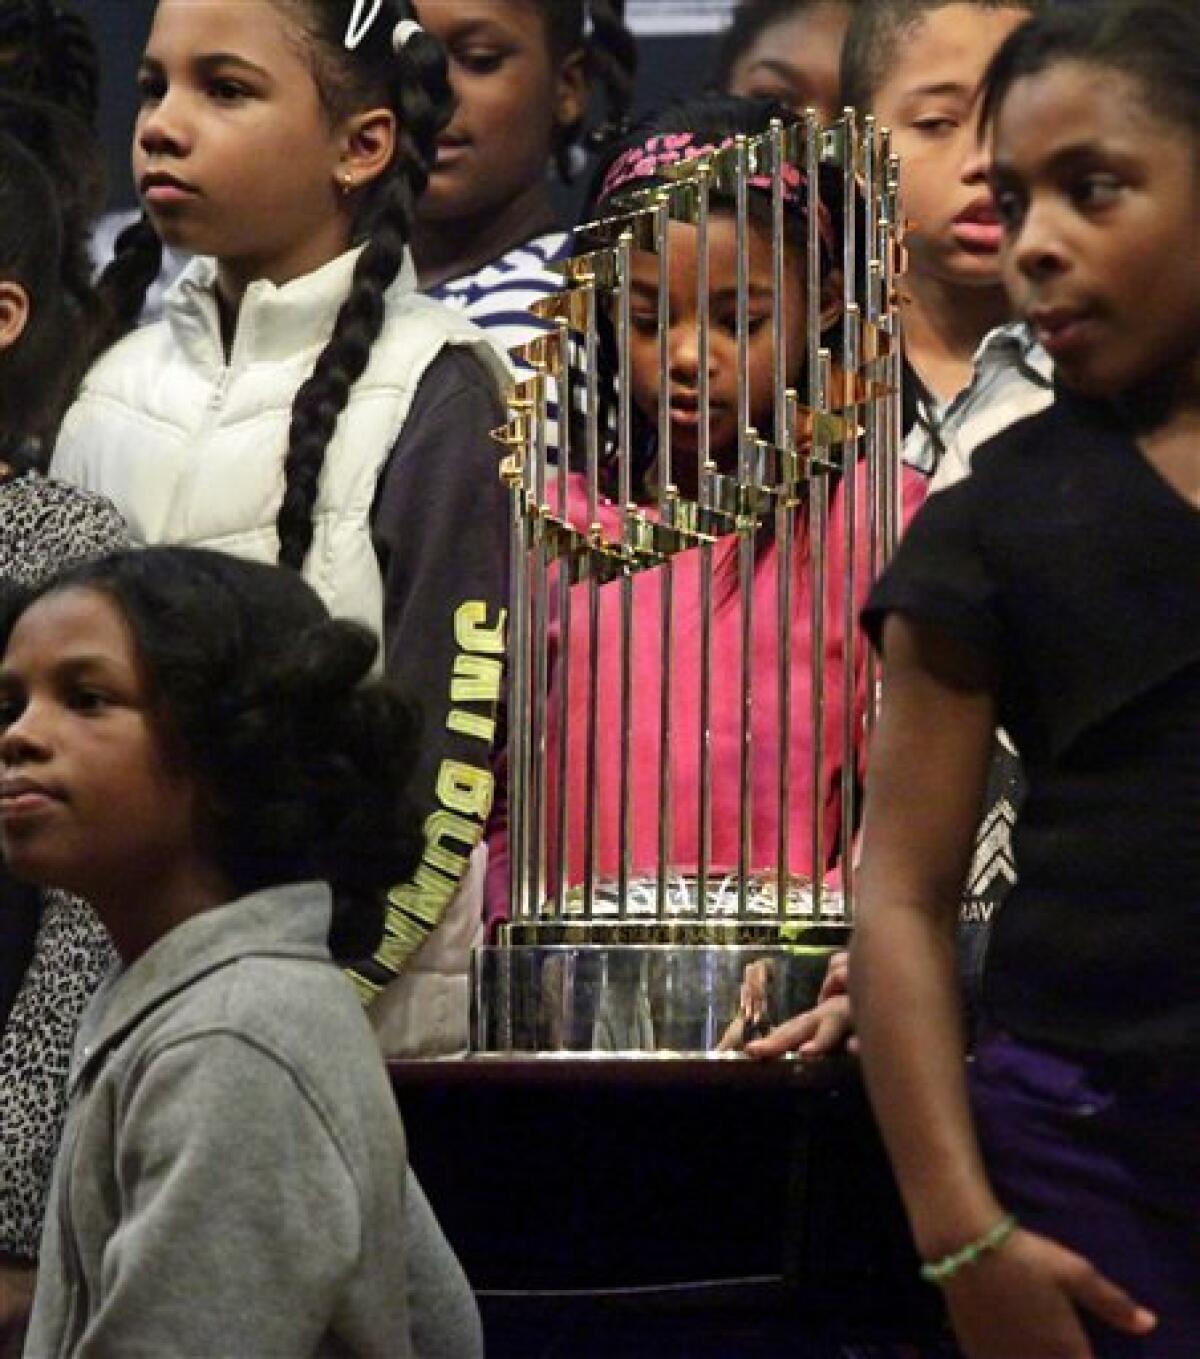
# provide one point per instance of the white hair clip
(403, 32)
(359, 26)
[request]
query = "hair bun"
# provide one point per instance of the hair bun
(325, 660)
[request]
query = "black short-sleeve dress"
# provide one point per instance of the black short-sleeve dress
(1076, 567)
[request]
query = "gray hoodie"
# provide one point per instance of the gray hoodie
(232, 1174)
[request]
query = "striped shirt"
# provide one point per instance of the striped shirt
(499, 296)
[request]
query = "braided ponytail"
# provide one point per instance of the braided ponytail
(129, 276)
(324, 396)
(415, 85)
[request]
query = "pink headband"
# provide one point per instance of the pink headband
(673, 148)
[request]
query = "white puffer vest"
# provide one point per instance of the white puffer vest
(189, 445)
(166, 426)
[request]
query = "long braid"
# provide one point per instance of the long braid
(124, 284)
(423, 102)
(321, 400)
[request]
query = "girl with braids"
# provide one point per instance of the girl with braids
(190, 742)
(44, 243)
(49, 93)
(300, 402)
(52, 949)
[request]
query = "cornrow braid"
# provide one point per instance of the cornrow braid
(421, 97)
(72, 61)
(53, 63)
(52, 53)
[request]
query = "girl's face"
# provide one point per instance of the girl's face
(88, 800)
(512, 98)
(683, 361)
(233, 153)
(1101, 206)
(797, 60)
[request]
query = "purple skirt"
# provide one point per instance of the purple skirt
(1107, 1164)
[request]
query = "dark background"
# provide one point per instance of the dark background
(121, 27)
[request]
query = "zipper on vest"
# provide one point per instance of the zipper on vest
(216, 398)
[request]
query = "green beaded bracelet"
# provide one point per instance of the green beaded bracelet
(948, 1266)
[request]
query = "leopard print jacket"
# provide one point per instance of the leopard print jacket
(45, 526)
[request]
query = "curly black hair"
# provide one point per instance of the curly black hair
(265, 701)
(414, 84)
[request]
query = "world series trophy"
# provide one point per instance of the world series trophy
(689, 693)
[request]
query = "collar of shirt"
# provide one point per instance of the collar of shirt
(1009, 370)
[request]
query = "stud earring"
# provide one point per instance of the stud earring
(346, 183)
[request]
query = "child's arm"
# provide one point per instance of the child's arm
(928, 772)
(828, 1027)
(928, 764)
(441, 528)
